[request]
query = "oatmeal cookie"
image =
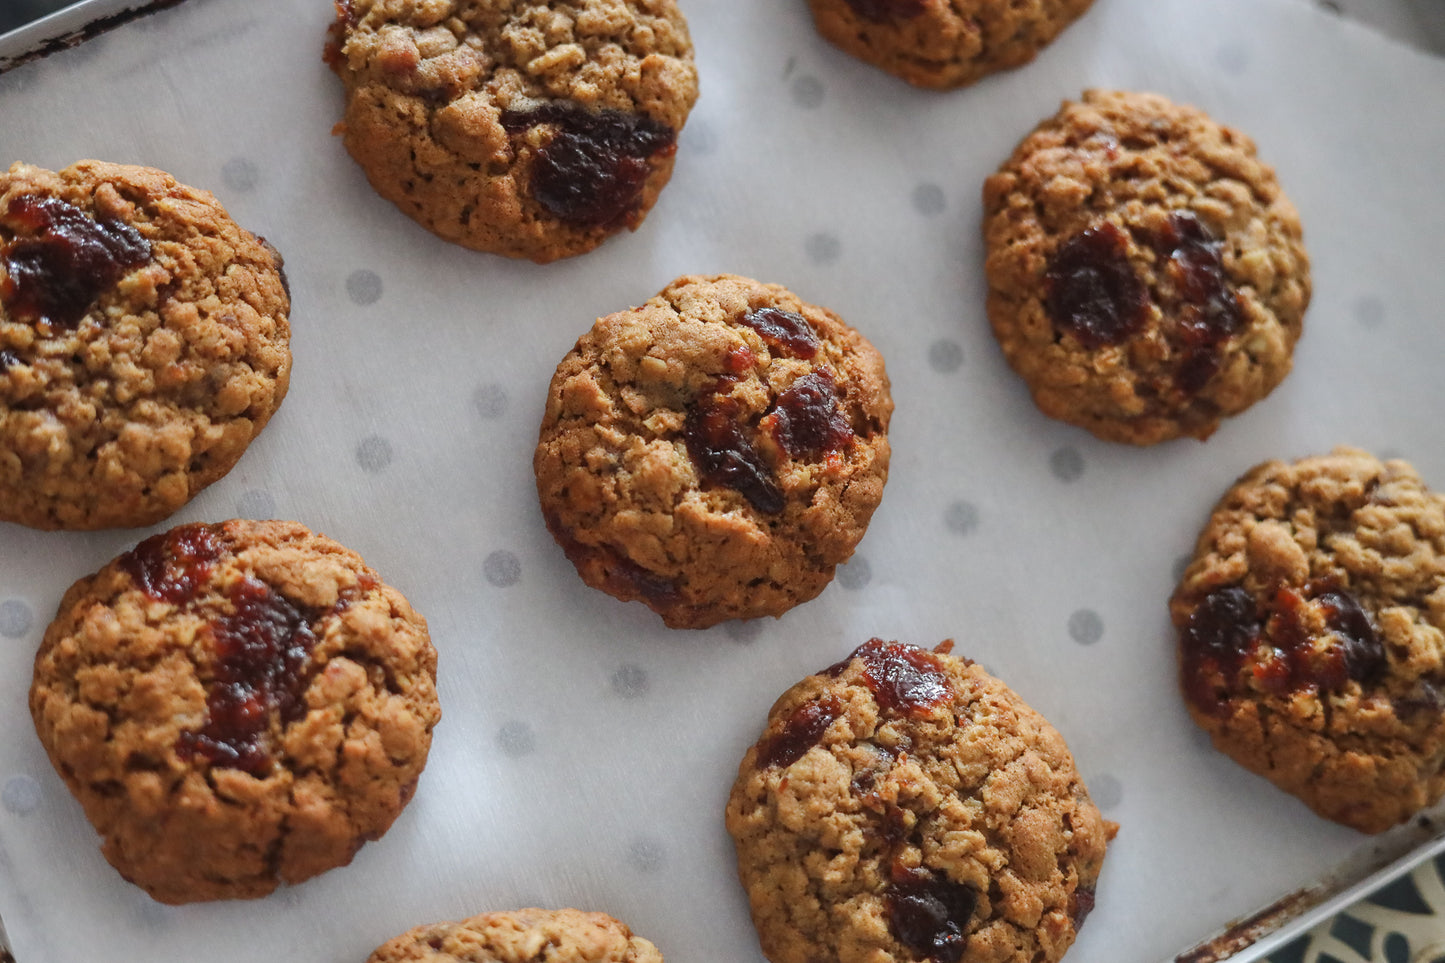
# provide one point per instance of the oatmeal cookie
(905, 805)
(944, 43)
(533, 130)
(1147, 277)
(1312, 634)
(144, 343)
(716, 452)
(235, 706)
(522, 936)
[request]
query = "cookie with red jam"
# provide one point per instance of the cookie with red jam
(532, 130)
(235, 706)
(715, 452)
(944, 43)
(904, 805)
(144, 342)
(1146, 275)
(1311, 628)
(521, 936)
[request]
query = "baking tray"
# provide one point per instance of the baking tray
(586, 751)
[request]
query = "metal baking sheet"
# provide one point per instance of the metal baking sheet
(586, 751)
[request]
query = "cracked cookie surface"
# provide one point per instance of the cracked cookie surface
(1312, 634)
(905, 805)
(1147, 276)
(144, 342)
(716, 452)
(944, 43)
(521, 936)
(532, 130)
(235, 706)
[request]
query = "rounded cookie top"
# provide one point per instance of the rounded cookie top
(1146, 274)
(716, 452)
(1312, 634)
(521, 936)
(235, 706)
(144, 342)
(533, 130)
(905, 805)
(944, 43)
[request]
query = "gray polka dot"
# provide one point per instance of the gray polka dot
(1180, 564)
(856, 574)
(490, 401)
(516, 738)
(1233, 58)
(646, 854)
(1106, 791)
(929, 199)
(21, 795)
(363, 287)
(823, 248)
(373, 454)
(240, 174)
(1370, 311)
(256, 504)
(1085, 627)
(502, 569)
(945, 356)
(744, 632)
(1067, 464)
(808, 92)
(961, 517)
(630, 681)
(15, 618)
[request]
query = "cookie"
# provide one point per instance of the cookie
(716, 452)
(235, 706)
(1147, 277)
(905, 805)
(523, 936)
(1311, 628)
(534, 130)
(944, 43)
(144, 342)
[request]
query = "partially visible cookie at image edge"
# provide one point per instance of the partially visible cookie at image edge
(905, 805)
(520, 936)
(1147, 275)
(144, 343)
(235, 706)
(1311, 634)
(532, 130)
(944, 43)
(716, 452)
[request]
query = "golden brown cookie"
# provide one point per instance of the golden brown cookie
(1312, 634)
(522, 936)
(1147, 276)
(944, 43)
(905, 805)
(534, 130)
(716, 452)
(144, 342)
(235, 706)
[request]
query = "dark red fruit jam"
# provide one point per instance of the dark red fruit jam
(8, 360)
(723, 453)
(1091, 290)
(787, 333)
(901, 677)
(1081, 904)
(171, 566)
(1208, 308)
(802, 731)
(807, 422)
(881, 11)
(261, 649)
(59, 270)
(592, 170)
(929, 915)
